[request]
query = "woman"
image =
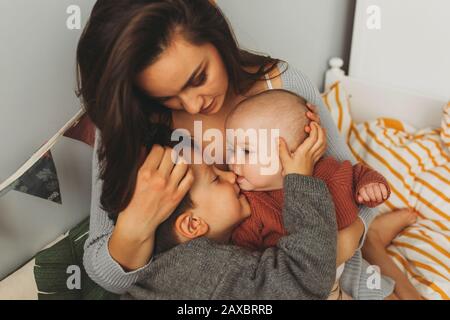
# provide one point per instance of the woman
(147, 67)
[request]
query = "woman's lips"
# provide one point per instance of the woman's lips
(240, 179)
(209, 108)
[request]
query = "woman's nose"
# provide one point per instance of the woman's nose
(192, 103)
(228, 176)
(235, 168)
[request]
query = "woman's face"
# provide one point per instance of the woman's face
(187, 77)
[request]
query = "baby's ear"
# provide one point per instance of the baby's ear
(190, 226)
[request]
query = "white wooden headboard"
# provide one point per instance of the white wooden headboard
(403, 43)
(401, 70)
(370, 100)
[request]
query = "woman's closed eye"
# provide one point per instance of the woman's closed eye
(199, 80)
(196, 82)
(164, 100)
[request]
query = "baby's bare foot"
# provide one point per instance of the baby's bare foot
(388, 225)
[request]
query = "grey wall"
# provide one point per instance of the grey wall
(306, 33)
(37, 75)
(37, 83)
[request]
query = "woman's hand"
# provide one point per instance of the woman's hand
(302, 160)
(312, 115)
(160, 186)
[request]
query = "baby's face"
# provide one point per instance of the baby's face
(218, 201)
(254, 176)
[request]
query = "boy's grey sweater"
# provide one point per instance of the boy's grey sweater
(302, 266)
(105, 271)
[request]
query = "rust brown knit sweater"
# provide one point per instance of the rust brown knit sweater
(265, 225)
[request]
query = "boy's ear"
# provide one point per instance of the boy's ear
(190, 226)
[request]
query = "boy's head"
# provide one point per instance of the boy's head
(272, 109)
(213, 208)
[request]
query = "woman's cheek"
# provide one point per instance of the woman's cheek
(173, 105)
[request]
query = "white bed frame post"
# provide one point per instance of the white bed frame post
(335, 73)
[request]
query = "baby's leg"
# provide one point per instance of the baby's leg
(382, 231)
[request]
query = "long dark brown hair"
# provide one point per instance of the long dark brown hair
(122, 38)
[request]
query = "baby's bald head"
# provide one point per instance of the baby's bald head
(273, 109)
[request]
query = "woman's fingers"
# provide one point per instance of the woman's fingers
(319, 154)
(313, 113)
(186, 182)
(312, 116)
(285, 154)
(154, 158)
(311, 107)
(311, 140)
(320, 142)
(167, 162)
(178, 173)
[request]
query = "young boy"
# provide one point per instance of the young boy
(199, 263)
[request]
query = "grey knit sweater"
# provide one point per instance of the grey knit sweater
(300, 267)
(105, 271)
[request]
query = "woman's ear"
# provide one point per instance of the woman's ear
(189, 226)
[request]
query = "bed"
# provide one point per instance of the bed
(403, 135)
(393, 110)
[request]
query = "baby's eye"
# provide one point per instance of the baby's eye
(216, 179)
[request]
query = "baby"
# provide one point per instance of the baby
(349, 185)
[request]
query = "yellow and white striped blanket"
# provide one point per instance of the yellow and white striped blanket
(416, 164)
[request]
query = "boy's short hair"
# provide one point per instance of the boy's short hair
(165, 236)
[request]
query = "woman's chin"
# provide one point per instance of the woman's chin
(219, 102)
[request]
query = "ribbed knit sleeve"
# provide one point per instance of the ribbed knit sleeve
(339, 179)
(97, 261)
